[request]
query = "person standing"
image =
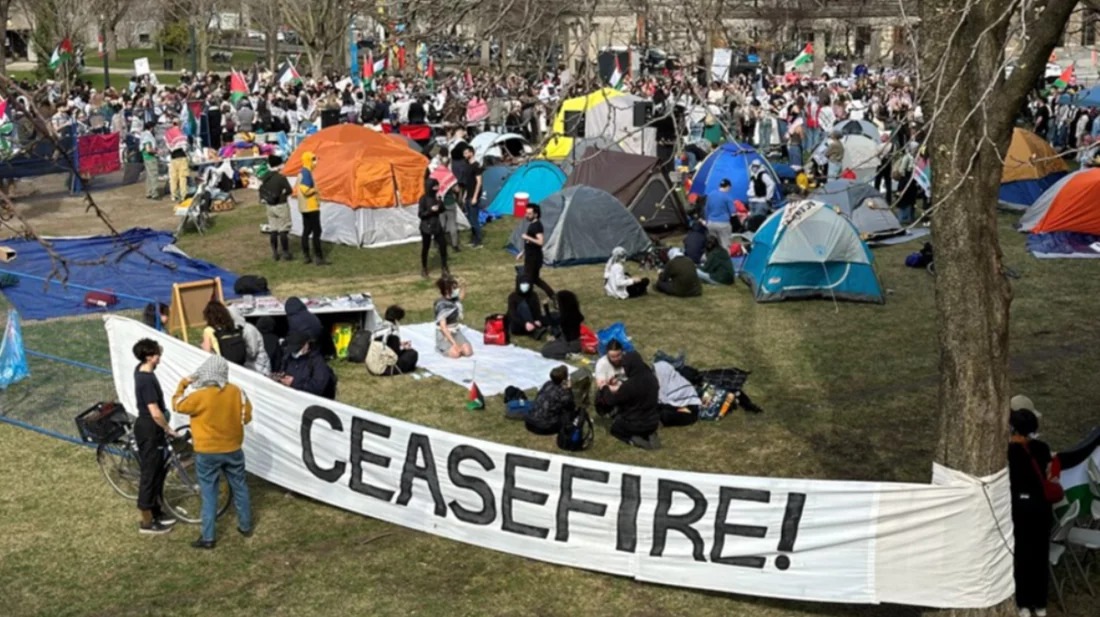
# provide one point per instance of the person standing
(150, 430)
(309, 204)
(431, 227)
(885, 154)
(179, 168)
(468, 173)
(218, 410)
(148, 146)
(834, 154)
(533, 241)
(1028, 470)
(274, 191)
(720, 210)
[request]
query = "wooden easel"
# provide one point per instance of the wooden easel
(188, 302)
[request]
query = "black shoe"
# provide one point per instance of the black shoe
(165, 519)
(277, 256)
(751, 407)
(457, 248)
(423, 273)
(287, 256)
(321, 261)
(154, 528)
(307, 259)
(206, 544)
(247, 534)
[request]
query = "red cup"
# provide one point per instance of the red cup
(520, 202)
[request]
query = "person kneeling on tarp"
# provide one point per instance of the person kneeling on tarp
(678, 277)
(525, 316)
(677, 400)
(553, 403)
(635, 400)
(449, 339)
(304, 367)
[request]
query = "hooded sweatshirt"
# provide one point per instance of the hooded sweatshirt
(272, 345)
(256, 358)
(695, 242)
(299, 319)
(637, 396)
(307, 188)
(218, 409)
(680, 274)
(517, 300)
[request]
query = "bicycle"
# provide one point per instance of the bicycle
(109, 426)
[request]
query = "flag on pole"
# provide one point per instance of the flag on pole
(476, 400)
(1065, 79)
(61, 53)
(238, 89)
(401, 57)
(806, 56)
(353, 52)
(616, 80)
(287, 74)
(188, 122)
(429, 72)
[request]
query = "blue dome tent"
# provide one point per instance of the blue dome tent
(539, 179)
(809, 250)
(493, 179)
(731, 160)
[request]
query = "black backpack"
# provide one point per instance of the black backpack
(358, 347)
(232, 345)
(249, 284)
(577, 431)
(759, 188)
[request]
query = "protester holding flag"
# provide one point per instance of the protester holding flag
(448, 310)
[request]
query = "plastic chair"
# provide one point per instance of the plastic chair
(1094, 489)
(1057, 550)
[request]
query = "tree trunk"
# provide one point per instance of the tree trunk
(316, 62)
(202, 42)
(111, 44)
(5, 6)
(271, 46)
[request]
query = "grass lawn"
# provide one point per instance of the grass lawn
(849, 390)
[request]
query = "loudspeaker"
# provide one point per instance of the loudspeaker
(643, 112)
(574, 124)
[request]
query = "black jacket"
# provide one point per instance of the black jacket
(272, 345)
(311, 374)
(681, 276)
(695, 242)
(637, 396)
(299, 319)
(516, 322)
(275, 189)
(430, 224)
(550, 407)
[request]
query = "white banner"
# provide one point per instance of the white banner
(720, 64)
(935, 545)
(141, 66)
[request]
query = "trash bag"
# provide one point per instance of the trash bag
(13, 360)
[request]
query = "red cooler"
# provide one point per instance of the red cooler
(519, 204)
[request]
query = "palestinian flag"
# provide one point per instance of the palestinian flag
(1075, 472)
(807, 55)
(1064, 80)
(476, 400)
(238, 88)
(188, 122)
(61, 53)
(617, 76)
(287, 75)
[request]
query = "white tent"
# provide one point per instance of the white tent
(366, 227)
(613, 119)
(860, 155)
(494, 144)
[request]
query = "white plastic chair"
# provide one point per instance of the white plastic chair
(1058, 549)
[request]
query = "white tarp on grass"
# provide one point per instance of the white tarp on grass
(946, 544)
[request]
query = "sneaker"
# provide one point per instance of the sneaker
(457, 248)
(654, 441)
(166, 519)
(423, 273)
(1025, 612)
(204, 544)
(1040, 612)
(247, 534)
(154, 528)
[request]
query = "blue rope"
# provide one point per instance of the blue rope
(47, 432)
(47, 356)
(54, 281)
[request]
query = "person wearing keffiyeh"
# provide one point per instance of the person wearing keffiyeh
(218, 411)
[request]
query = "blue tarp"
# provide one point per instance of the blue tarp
(1062, 245)
(124, 272)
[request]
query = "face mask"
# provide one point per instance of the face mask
(298, 354)
(456, 293)
(524, 288)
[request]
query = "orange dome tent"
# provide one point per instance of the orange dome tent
(1031, 167)
(368, 183)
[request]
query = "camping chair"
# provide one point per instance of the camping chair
(1094, 489)
(198, 213)
(1057, 550)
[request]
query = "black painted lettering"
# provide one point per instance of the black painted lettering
(360, 456)
(723, 529)
(512, 493)
(488, 510)
(630, 497)
(791, 518)
(663, 522)
(309, 416)
(420, 446)
(567, 504)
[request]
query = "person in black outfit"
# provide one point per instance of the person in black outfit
(533, 241)
(525, 316)
(431, 227)
(695, 242)
(570, 318)
(635, 399)
(272, 344)
(407, 357)
(305, 368)
(299, 319)
(150, 430)
(1031, 512)
(468, 174)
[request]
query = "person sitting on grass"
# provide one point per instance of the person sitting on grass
(678, 277)
(402, 357)
(449, 339)
(634, 399)
(617, 283)
(218, 411)
(570, 320)
(304, 367)
(717, 268)
(677, 400)
(552, 404)
(525, 316)
(609, 372)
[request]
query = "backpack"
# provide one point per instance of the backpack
(270, 192)
(516, 405)
(496, 330)
(590, 343)
(232, 345)
(358, 347)
(759, 187)
(576, 431)
(249, 284)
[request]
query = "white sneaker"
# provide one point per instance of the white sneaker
(1025, 612)
(1040, 612)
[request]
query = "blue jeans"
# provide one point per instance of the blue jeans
(794, 158)
(473, 215)
(813, 137)
(765, 134)
(704, 277)
(209, 468)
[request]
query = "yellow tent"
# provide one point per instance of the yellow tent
(559, 147)
(1029, 157)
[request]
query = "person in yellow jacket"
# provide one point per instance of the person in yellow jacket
(309, 204)
(218, 411)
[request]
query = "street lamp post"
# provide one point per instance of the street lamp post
(194, 53)
(106, 53)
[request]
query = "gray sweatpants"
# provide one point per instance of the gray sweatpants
(450, 225)
(723, 231)
(152, 178)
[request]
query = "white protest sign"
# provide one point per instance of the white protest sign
(938, 545)
(720, 64)
(141, 66)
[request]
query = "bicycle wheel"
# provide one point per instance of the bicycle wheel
(120, 467)
(182, 495)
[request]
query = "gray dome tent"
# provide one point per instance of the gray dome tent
(583, 225)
